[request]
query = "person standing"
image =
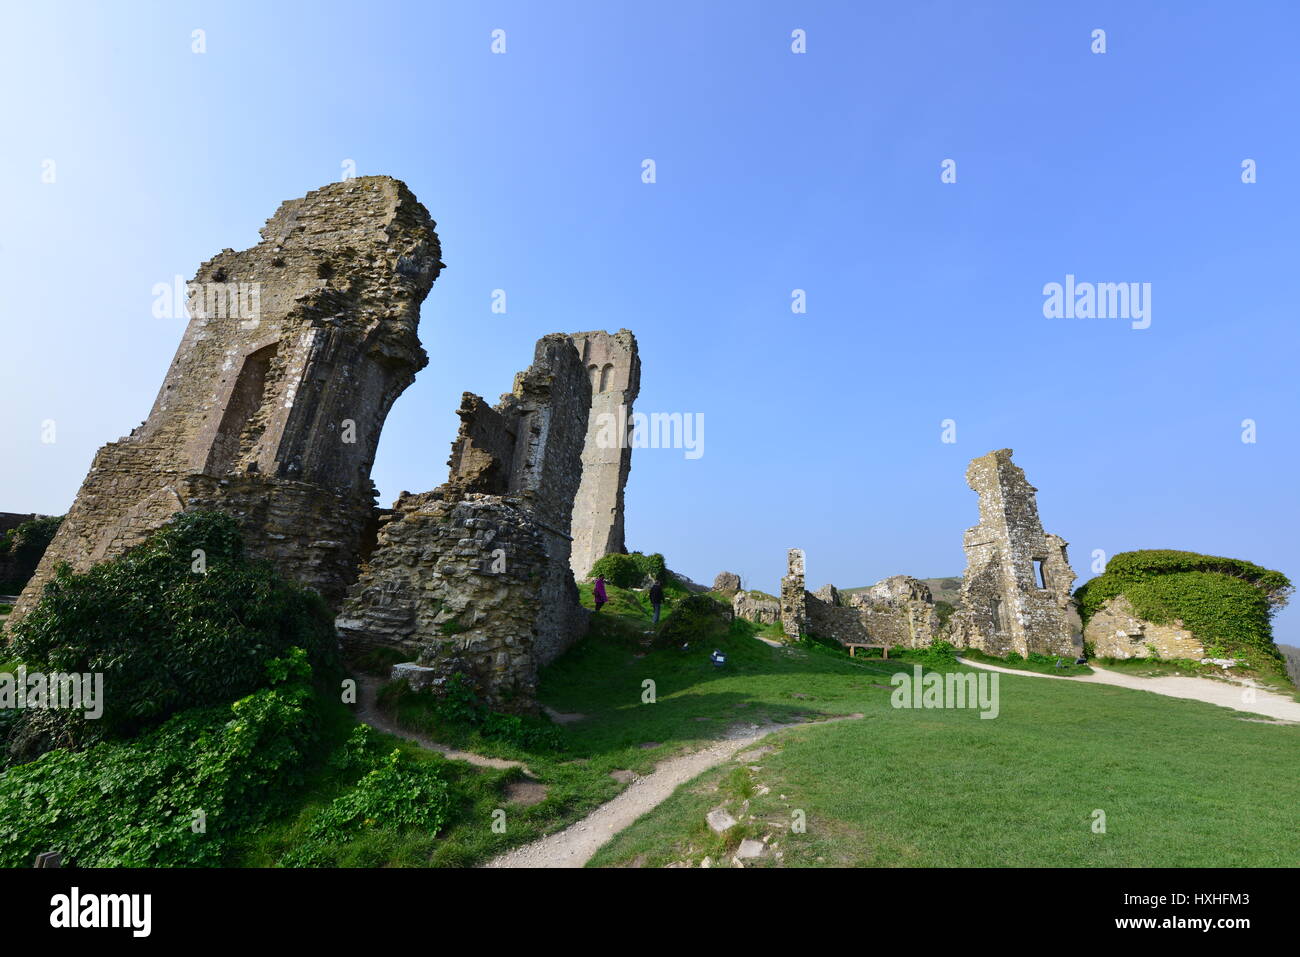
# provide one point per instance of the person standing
(656, 597)
(598, 592)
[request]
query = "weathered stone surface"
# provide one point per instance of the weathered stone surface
(1116, 631)
(474, 576)
(720, 820)
(750, 848)
(898, 611)
(726, 582)
(756, 607)
(1016, 591)
(273, 404)
(614, 370)
(794, 596)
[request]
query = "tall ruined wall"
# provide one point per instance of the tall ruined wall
(794, 596)
(614, 370)
(1016, 591)
(272, 407)
(474, 576)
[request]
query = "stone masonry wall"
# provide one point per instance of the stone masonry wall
(1015, 595)
(1116, 631)
(272, 407)
(614, 370)
(474, 576)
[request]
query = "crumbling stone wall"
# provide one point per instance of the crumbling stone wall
(614, 371)
(1117, 631)
(898, 610)
(794, 596)
(1015, 595)
(727, 582)
(830, 617)
(272, 407)
(474, 576)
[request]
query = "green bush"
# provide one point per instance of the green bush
(628, 571)
(458, 706)
(27, 542)
(165, 637)
(694, 619)
(174, 795)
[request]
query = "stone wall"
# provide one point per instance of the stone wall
(1016, 591)
(756, 607)
(474, 576)
(1116, 631)
(898, 611)
(272, 407)
(614, 371)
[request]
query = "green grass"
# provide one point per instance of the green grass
(1182, 783)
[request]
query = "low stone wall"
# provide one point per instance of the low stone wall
(755, 607)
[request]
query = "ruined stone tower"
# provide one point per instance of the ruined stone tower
(474, 576)
(1015, 595)
(272, 408)
(614, 369)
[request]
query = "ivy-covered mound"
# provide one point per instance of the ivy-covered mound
(1227, 603)
(184, 620)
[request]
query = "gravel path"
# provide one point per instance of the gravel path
(368, 712)
(577, 843)
(1223, 693)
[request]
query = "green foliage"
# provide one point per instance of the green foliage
(629, 571)
(397, 794)
(939, 654)
(27, 542)
(943, 610)
(1225, 602)
(694, 619)
(136, 803)
(165, 637)
(457, 706)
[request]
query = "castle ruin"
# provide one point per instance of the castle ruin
(614, 370)
(1015, 595)
(272, 407)
(474, 576)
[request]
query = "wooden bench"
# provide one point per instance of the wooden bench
(855, 645)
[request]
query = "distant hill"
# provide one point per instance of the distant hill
(943, 589)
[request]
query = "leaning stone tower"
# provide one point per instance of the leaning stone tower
(615, 370)
(272, 408)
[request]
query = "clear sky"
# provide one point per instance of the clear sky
(775, 171)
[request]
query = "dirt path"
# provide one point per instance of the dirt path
(577, 843)
(1222, 693)
(368, 712)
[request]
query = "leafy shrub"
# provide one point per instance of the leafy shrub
(134, 803)
(457, 704)
(940, 653)
(165, 637)
(694, 619)
(26, 544)
(630, 570)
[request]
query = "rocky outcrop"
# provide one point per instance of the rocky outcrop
(727, 582)
(1015, 594)
(272, 408)
(474, 576)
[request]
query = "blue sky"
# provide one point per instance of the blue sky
(775, 172)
